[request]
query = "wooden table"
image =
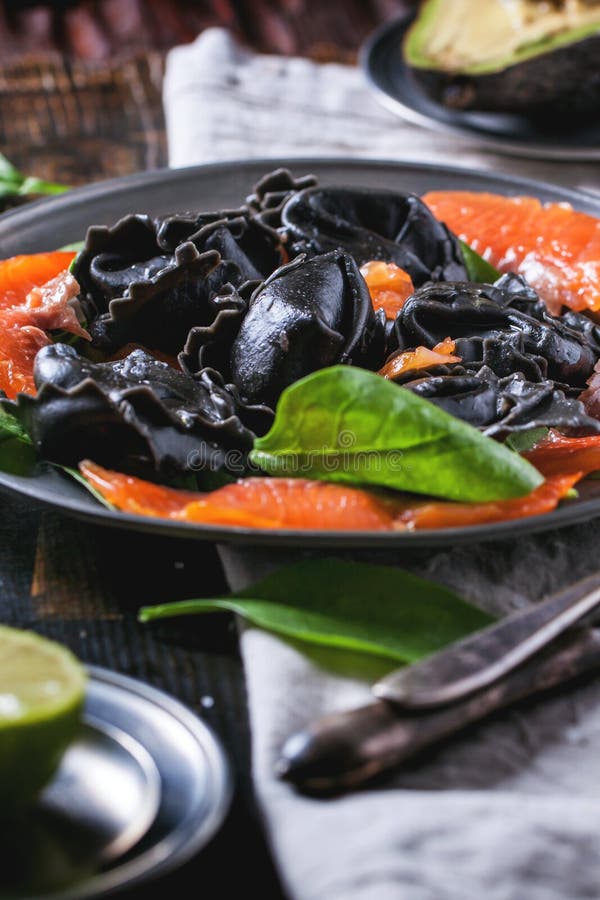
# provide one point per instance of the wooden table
(73, 115)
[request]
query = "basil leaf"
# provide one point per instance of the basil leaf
(347, 424)
(378, 610)
(478, 269)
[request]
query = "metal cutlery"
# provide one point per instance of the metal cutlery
(530, 651)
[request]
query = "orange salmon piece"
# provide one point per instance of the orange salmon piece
(250, 502)
(18, 348)
(445, 514)
(389, 286)
(295, 503)
(560, 454)
(420, 358)
(19, 274)
(556, 248)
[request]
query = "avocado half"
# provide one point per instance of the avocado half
(540, 58)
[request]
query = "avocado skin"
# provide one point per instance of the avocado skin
(561, 82)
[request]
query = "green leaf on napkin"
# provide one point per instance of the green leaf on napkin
(347, 424)
(478, 269)
(379, 610)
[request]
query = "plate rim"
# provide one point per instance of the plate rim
(367, 56)
(139, 869)
(85, 508)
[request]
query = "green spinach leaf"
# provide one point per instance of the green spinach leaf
(522, 441)
(377, 610)
(17, 455)
(478, 269)
(14, 184)
(347, 424)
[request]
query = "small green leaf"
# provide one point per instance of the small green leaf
(11, 428)
(8, 172)
(477, 268)
(523, 441)
(77, 476)
(76, 247)
(33, 185)
(347, 424)
(17, 456)
(378, 610)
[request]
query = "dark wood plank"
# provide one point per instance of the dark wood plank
(75, 123)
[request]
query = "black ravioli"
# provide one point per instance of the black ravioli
(271, 194)
(136, 412)
(210, 345)
(159, 311)
(238, 238)
(502, 406)
(149, 280)
(307, 315)
(374, 224)
(503, 326)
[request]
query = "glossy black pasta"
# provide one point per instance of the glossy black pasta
(272, 192)
(502, 406)
(308, 315)
(370, 224)
(136, 413)
(150, 280)
(503, 326)
(211, 345)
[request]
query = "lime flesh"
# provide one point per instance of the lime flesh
(42, 687)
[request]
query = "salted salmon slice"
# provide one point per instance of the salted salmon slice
(556, 248)
(445, 514)
(389, 286)
(250, 502)
(298, 503)
(18, 349)
(559, 453)
(20, 274)
(420, 358)
(23, 330)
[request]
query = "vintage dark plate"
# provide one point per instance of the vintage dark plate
(48, 224)
(381, 59)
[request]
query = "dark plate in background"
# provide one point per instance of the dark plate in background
(516, 135)
(52, 223)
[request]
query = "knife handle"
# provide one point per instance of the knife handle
(341, 751)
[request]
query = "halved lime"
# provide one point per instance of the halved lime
(42, 687)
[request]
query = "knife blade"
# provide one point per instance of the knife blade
(481, 659)
(341, 751)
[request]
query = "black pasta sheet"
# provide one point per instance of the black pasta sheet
(374, 224)
(136, 413)
(521, 368)
(149, 281)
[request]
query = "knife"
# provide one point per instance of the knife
(480, 659)
(528, 655)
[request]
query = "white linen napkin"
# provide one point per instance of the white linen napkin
(510, 811)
